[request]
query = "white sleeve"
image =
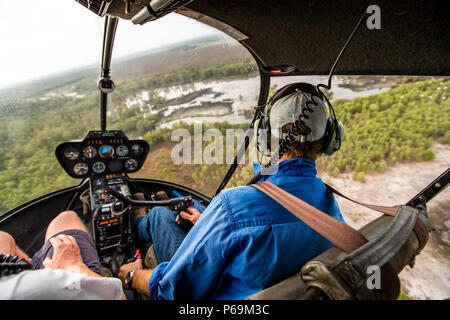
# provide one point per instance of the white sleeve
(49, 284)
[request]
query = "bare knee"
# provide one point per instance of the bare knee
(7, 243)
(66, 216)
(66, 220)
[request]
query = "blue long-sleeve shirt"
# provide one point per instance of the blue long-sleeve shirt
(244, 241)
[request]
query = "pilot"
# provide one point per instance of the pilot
(244, 241)
(66, 267)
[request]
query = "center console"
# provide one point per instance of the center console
(110, 218)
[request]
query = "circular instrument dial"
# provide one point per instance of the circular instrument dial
(98, 167)
(89, 152)
(131, 164)
(71, 153)
(106, 151)
(137, 149)
(122, 150)
(80, 169)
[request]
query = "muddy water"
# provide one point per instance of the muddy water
(244, 94)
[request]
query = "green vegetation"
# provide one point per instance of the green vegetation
(395, 126)
(30, 134)
(403, 296)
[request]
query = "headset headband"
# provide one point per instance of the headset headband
(291, 88)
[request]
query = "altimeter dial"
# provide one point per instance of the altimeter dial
(122, 150)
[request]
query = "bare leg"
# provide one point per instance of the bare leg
(8, 246)
(66, 220)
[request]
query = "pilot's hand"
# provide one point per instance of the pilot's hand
(66, 254)
(192, 215)
(126, 268)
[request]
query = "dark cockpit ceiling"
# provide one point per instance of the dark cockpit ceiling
(309, 34)
(413, 38)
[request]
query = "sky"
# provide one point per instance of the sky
(43, 37)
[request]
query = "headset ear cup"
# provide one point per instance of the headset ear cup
(262, 134)
(327, 136)
(332, 138)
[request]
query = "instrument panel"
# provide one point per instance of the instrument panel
(102, 153)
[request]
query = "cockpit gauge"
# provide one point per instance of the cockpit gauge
(98, 167)
(137, 149)
(106, 151)
(80, 168)
(71, 153)
(89, 152)
(131, 164)
(122, 150)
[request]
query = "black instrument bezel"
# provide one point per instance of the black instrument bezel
(98, 138)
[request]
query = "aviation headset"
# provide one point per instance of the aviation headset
(332, 138)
